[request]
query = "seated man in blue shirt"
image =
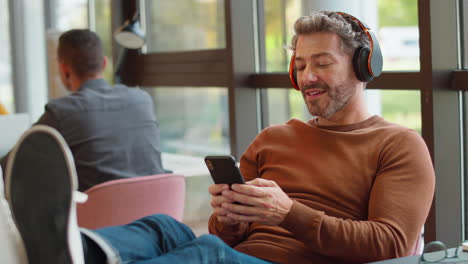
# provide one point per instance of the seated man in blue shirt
(112, 131)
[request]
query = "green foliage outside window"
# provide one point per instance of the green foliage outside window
(397, 13)
(401, 107)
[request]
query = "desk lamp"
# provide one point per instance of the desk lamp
(129, 36)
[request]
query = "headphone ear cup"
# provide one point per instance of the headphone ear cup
(361, 64)
(293, 73)
(295, 77)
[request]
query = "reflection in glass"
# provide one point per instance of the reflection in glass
(396, 106)
(193, 121)
(6, 87)
(180, 25)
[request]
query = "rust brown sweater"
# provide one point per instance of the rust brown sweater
(361, 192)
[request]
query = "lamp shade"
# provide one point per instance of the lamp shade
(130, 35)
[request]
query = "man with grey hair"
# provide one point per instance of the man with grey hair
(343, 187)
(322, 191)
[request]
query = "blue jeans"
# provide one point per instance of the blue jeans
(162, 239)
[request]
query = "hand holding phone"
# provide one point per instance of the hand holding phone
(224, 170)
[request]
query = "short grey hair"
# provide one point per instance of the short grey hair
(350, 32)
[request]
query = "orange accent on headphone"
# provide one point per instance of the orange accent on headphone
(292, 72)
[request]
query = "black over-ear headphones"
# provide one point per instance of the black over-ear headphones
(367, 61)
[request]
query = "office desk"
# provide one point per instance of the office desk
(415, 260)
(13, 126)
(405, 260)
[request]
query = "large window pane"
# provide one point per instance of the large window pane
(399, 34)
(6, 87)
(193, 121)
(280, 16)
(401, 107)
(103, 28)
(66, 15)
(181, 25)
(71, 14)
(397, 30)
(284, 104)
(464, 7)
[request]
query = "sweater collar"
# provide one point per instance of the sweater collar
(348, 127)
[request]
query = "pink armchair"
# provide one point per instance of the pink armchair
(121, 201)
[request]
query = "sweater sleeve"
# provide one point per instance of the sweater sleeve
(231, 235)
(399, 203)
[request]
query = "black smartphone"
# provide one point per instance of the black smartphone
(224, 169)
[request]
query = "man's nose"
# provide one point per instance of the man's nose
(309, 77)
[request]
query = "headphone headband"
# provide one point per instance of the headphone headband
(372, 47)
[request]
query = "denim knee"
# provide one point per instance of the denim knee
(160, 219)
(165, 223)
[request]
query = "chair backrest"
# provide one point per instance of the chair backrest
(122, 201)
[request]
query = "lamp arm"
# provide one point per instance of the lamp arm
(120, 65)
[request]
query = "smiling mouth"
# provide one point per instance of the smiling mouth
(314, 94)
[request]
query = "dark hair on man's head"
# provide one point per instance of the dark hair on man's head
(82, 50)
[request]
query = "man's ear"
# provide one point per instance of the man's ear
(63, 67)
(104, 63)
